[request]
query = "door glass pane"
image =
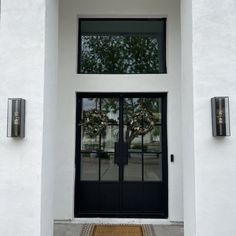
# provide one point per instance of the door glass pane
(152, 140)
(152, 107)
(152, 167)
(111, 107)
(132, 123)
(93, 124)
(109, 139)
(141, 115)
(133, 171)
(109, 170)
(136, 144)
(134, 140)
(89, 166)
(89, 104)
(89, 144)
(130, 106)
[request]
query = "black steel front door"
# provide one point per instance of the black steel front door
(121, 155)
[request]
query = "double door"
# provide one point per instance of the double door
(121, 155)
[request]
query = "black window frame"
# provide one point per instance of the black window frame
(163, 63)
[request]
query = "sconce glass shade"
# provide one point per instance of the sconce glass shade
(16, 118)
(220, 116)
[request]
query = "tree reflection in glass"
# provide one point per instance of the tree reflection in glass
(119, 54)
(140, 116)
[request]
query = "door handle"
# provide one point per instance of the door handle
(121, 153)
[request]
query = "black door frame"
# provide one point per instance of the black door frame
(164, 212)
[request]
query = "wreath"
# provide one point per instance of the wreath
(141, 122)
(94, 122)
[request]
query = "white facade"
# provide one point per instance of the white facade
(38, 58)
(212, 71)
(28, 62)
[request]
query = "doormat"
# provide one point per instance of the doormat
(117, 230)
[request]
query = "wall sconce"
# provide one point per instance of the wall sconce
(16, 117)
(220, 116)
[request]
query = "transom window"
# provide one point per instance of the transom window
(122, 46)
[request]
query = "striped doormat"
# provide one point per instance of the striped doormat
(117, 230)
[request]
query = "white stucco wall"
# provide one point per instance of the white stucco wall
(70, 82)
(187, 89)
(24, 169)
(49, 119)
(21, 73)
(214, 74)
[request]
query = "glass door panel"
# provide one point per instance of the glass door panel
(133, 171)
(89, 144)
(99, 132)
(152, 167)
(89, 167)
(152, 140)
(109, 139)
(142, 131)
(111, 107)
(109, 171)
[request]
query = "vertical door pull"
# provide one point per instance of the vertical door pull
(121, 153)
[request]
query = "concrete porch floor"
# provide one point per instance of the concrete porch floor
(74, 229)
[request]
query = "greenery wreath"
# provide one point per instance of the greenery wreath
(94, 123)
(141, 122)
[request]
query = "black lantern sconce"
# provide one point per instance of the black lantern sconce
(16, 118)
(220, 116)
